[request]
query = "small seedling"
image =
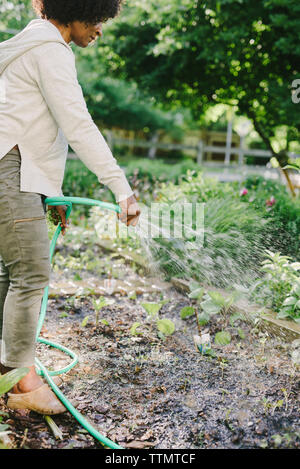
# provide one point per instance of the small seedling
(267, 405)
(64, 315)
(222, 364)
(98, 305)
(277, 405)
(165, 326)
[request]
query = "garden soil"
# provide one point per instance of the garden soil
(143, 391)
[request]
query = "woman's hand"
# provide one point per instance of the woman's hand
(58, 215)
(130, 211)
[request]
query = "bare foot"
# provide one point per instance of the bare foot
(30, 382)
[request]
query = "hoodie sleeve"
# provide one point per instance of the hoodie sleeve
(57, 79)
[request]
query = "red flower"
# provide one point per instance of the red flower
(244, 191)
(270, 202)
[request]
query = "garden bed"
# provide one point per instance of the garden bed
(287, 330)
(145, 392)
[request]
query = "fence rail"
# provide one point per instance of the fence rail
(200, 149)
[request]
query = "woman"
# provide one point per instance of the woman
(42, 110)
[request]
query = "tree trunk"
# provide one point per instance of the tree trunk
(282, 156)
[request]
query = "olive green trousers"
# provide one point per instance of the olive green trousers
(24, 264)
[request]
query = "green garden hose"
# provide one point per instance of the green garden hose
(68, 201)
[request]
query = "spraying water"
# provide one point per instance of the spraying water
(226, 257)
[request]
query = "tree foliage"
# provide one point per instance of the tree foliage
(238, 52)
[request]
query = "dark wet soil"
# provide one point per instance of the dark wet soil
(144, 392)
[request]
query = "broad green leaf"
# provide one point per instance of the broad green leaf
(85, 321)
(283, 313)
(290, 300)
(104, 321)
(134, 327)
(166, 326)
(210, 307)
(230, 299)
(277, 439)
(194, 285)
(217, 298)
(196, 294)
(163, 302)
(296, 289)
(186, 312)
(203, 319)
(152, 308)
(241, 333)
(99, 303)
(3, 427)
(292, 166)
(161, 335)
(222, 338)
(274, 162)
(8, 380)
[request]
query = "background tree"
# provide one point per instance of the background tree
(237, 52)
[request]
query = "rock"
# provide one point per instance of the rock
(101, 408)
(261, 429)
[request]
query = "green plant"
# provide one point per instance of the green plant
(186, 312)
(282, 232)
(291, 306)
(293, 166)
(8, 380)
(223, 363)
(98, 304)
(211, 303)
(85, 321)
(165, 326)
(222, 338)
(224, 302)
(279, 287)
(267, 404)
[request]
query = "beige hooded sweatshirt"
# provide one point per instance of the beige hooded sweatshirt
(42, 109)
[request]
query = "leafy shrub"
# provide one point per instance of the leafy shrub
(283, 215)
(279, 288)
(194, 187)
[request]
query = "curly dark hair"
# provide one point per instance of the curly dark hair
(86, 11)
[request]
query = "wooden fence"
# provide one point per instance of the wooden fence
(199, 150)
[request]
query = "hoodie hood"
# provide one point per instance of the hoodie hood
(37, 32)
